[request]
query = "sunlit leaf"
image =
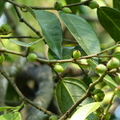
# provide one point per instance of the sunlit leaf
(82, 32)
(84, 111)
(14, 116)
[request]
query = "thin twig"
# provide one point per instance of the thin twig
(9, 37)
(48, 8)
(24, 21)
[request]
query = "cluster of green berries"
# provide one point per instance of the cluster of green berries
(58, 6)
(111, 64)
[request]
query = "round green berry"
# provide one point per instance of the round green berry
(58, 5)
(66, 10)
(113, 63)
(76, 54)
(101, 68)
(93, 4)
(31, 48)
(53, 117)
(32, 57)
(2, 58)
(83, 63)
(58, 68)
(99, 97)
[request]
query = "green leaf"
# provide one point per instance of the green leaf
(51, 30)
(2, 3)
(6, 107)
(84, 111)
(109, 19)
(14, 116)
(116, 4)
(25, 44)
(82, 32)
(68, 91)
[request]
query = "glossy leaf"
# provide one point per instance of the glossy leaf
(116, 4)
(84, 111)
(23, 43)
(51, 30)
(109, 19)
(82, 32)
(14, 116)
(68, 91)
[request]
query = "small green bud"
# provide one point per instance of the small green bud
(58, 5)
(53, 117)
(76, 54)
(101, 68)
(32, 57)
(67, 10)
(113, 63)
(58, 68)
(2, 58)
(93, 4)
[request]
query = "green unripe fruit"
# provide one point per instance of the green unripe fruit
(31, 57)
(53, 117)
(76, 54)
(4, 29)
(93, 4)
(31, 49)
(113, 63)
(58, 68)
(83, 63)
(101, 68)
(58, 5)
(99, 97)
(117, 49)
(67, 10)
(2, 58)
